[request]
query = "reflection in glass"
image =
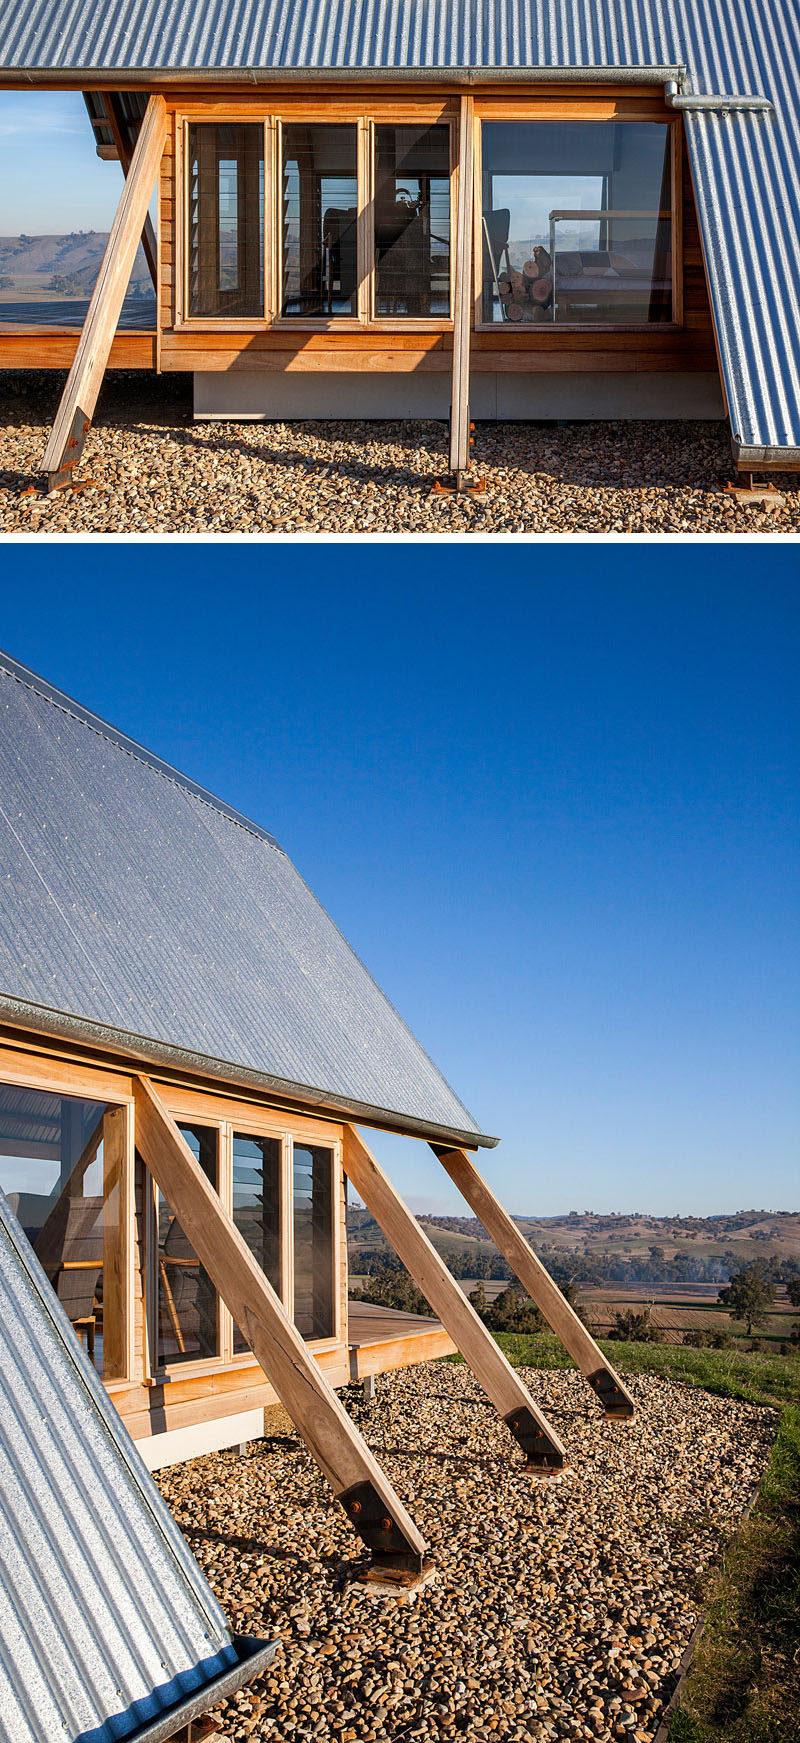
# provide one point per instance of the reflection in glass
(60, 1168)
(319, 201)
(576, 222)
(313, 1241)
(412, 221)
(226, 220)
(256, 1206)
(187, 1300)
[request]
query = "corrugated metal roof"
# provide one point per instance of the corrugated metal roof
(746, 167)
(141, 908)
(105, 1618)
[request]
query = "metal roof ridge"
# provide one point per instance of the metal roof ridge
(130, 746)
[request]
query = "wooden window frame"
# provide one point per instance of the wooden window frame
(334, 1340)
(410, 323)
(581, 110)
(320, 323)
(29, 1071)
(186, 1108)
(272, 118)
(184, 321)
(159, 1372)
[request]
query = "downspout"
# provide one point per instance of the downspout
(719, 103)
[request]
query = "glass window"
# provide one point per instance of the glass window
(256, 1206)
(576, 222)
(313, 1241)
(319, 202)
(61, 1169)
(226, 220)
(412, 221)
(188, 1305)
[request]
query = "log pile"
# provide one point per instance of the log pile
(526, 295)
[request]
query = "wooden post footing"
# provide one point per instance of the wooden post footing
(542, 1455)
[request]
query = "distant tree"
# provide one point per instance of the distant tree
(390, 1287)
(478, 1298)
(6, 281)
(748, 1296)
(64, 284)
(636, 1328)
(793, 1291)
(513, 1310)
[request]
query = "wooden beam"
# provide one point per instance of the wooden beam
(49, 1241)
(74, 415)
(124, 154)
(462, 313)
(355, 1476)
(614, 1396)
(545, 1452)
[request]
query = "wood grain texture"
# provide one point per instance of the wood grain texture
(493, 1372)
(320, 1418)
(511, 1242)
(91, 357)
(462, 309)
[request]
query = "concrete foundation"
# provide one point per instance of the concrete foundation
(177, 1444)
(243, 395)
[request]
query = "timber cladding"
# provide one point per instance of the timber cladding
(412, 346)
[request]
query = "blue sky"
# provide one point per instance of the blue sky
(38, 129)
(557, 817)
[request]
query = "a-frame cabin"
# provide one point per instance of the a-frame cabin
(485, 208)
(189, 1053)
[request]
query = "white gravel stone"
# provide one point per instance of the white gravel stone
(559, 1611)
(155, 471)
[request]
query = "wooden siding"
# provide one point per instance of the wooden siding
(399, 347)
(386, 346)
(54, 348)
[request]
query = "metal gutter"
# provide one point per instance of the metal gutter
(138, 1050)
(146, 78)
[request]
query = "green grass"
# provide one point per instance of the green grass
(744, 1681)
(756, 1376)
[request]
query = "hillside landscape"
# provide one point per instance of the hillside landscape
(51, 268)
(669, 1268)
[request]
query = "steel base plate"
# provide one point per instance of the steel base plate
(381, 1582)
(765, 494)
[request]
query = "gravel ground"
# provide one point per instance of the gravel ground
(559, 1610)
(157, 472)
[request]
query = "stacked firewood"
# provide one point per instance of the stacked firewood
(527, 294)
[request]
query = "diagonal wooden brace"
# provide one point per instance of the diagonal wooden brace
(75, 413)
(344, 1458)
(544, 1451)
(510, 1241)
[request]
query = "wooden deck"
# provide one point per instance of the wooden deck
(381, 1339)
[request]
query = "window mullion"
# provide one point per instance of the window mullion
(225, 1188)
(287, 1225)
(366, 221)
